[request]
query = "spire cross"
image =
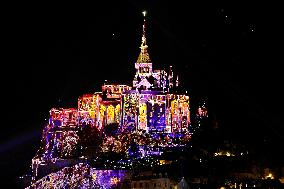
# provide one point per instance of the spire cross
(144, 37)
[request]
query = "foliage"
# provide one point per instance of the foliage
(111, 129)
(90, 136)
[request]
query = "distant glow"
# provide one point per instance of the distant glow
(269, 176)
(223, 153)
(144, 13)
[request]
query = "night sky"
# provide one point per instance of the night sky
(229, 54)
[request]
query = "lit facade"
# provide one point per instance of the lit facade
(149, 104)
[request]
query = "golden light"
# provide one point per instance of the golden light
(114, 180)
(269, 176)
(94, 176)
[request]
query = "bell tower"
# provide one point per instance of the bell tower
(143, 64)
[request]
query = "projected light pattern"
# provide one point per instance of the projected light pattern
(81, 176)
(107, 178)
(154, 104)
(137, 123)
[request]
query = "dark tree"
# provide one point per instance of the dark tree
(89, 137)
(111, 129)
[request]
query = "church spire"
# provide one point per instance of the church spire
(144, 55)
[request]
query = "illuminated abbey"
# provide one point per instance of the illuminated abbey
(152, 104)
(114, 130)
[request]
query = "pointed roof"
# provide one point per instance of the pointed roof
(144, 82)
(144, 55)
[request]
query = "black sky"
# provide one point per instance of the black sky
(228, 53)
